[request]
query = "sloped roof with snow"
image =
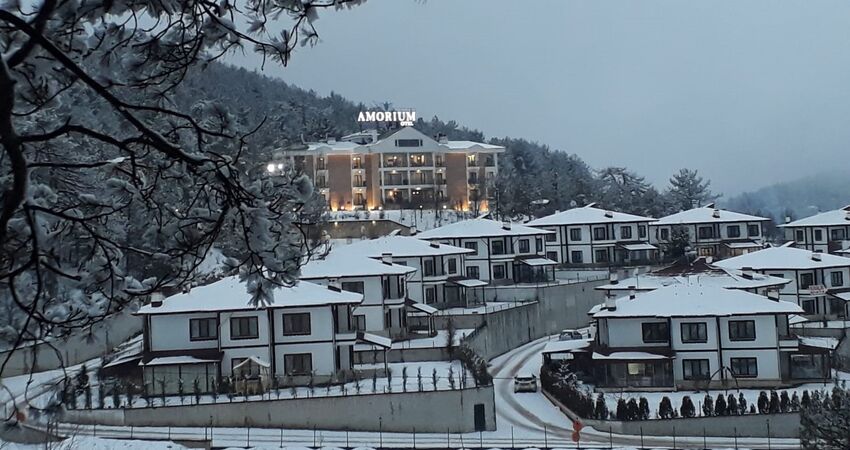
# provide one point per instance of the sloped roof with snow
(479, 228)
(784, 258)
(724, 278)
(705, 214)
(402, 247)
(464, 145)
(692, 300)
(587, 215)
(230, 294)
(837, 217)
(341, 263)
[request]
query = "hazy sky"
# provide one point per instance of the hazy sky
(747, 92)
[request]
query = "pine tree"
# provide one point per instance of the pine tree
(742, 404)
(688, 190)
(196, 389)
(116, 396)
(720, 405)
(708, 405)
(795, 402)
(434, 378)
(826, 427)
(622, 413)
(763, 403)
(784, 402)
(732, 405)
(632, 409)
(687, 409)
(665, 408)
(600, 410)
(643, 405)
(773, 405)
(807, 400)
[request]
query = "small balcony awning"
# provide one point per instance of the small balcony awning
(629, 356)
(743, 244)
(374, 339)
(421, 307)
(575, 345)
(177, 360)
(467, 282)
(537, 262)
(636, 247)
(252, 359)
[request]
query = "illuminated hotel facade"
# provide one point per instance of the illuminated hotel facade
(403, 169)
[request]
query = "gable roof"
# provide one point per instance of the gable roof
(402, 246)
(695, 300)
(340, 263)
(699, 273)
(835, 217)
(705, 214)
(230, 294)
(479, 228)
(587, 215)
(784, 258)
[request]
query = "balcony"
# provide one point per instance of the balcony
(361, 183)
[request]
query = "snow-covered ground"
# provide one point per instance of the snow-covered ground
(440, 340)
(424, 219)
(93, 443)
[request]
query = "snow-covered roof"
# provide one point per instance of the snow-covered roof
(725, 278)
(474, 228)
(706, 214)
(341, 263)
(463, 145)
(230, 294)
(821, 342)
(337, 146)
(565, 346)
(638, 246)
(836, 217)
(467, 282)
(784, 258)
(587, 215)
(693, 300)
(174, 360)
(375, 339)
(402, 247)
(743, 244)
(537, 262)
(253, 359)
(628, 356)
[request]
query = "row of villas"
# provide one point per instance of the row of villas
(593, 236)
(403, 168)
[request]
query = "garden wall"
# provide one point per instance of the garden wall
(395, 412)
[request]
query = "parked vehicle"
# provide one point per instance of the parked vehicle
(570, 335)
(525, 383)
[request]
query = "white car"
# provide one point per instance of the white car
(525, 383)
(570, 335)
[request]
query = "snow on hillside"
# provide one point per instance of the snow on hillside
(93, 443)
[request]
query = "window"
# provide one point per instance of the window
(497, 247)
(744, 367)
(733, 231)
(601, 255)
(551, 237)
(244, 328)
(818, 234)
(705, 232)
(203, 329)
(837, 279)
(625, 232)
(753, 230)
(694, 332)
(665, 234)
(471, 246)
(523, 246)
(428, 268)
(499, 271)
(359, 322)
(353, 286)
(801, 235)
(577, 256)
(430, 295)
(655, 332)
(298, 364)
(695, 369)
(452, 265)
(642, 231)
(552, 255)
(806, 280)
(599, 233)
(472, 272)
(408, 142)
(742, 330)
(247, 371)
(837, 234)
(296, 324)
(538, 245)
(575, 234)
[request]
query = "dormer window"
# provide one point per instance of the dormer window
(408, 142)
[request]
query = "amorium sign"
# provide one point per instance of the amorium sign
(404, 118)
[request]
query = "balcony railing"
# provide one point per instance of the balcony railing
(359, 183)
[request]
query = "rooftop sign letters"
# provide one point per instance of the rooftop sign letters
(404, 118)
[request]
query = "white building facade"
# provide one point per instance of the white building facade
(826, 232)
(594, 236)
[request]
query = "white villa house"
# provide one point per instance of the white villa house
(590, 235)
(692, 336)
(827, 232)
(213, 331)
(439, 280)
(383, 285)
(711, 231)
(699, 271)
(820, 282)
(502, 252)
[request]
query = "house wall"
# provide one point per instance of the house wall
(823, 243)
(563, 247)
(171, 332)
(721, 235)
(485, 260)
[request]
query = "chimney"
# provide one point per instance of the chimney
(747, 272)
(442, 138)
(412, 231)
(156, 299)
(632, 293)
(387, 258)
(610, 303)
(715, 213)
(609, 214)
(773, 294)
(614, 277)
(709, 259)
(506, 225)
(334, 284)
(435, 244)
(816, 256)
(373, 136)
(332, 140)
(787, 219)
